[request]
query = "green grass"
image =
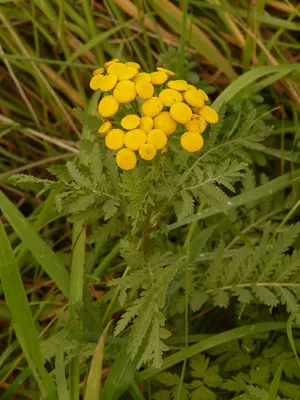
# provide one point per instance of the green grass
(47, 266)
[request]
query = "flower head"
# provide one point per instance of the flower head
(127, 73)
(133, 64)
(152, 106)
(95, 82)
(126, 159)
(114, 140)
(181, 112)
(209, 114)
(191, 141)
(180, 85)
(196, 124)
(144, 89)
(131, 121)
(108, 63)
(142, 76)
(203, 94)
(98, 71)
(134, 139)
(147, 151)
(194, 98)
(165, 122)
(166, 71)
(124, 92)
(116, 69)
(108, 106)
(169, 97)
(157, 138)
(158, 78)
(146, 123)
(107, 83)
(104, 128)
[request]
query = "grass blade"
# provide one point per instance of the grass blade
(276, 382)
(198, 39)
(22, 318)
(50, 262)
(291, 338)
(93, 42)
(209, 343)
(61, 382)
(121, 375)
(199, 241)
(249, 77)
(93, 385)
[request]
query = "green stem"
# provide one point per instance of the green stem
(113, 300)
(186, 320)
(107, 260)
(76, 293)
(192, 228)
(77, 264)
(182, 55)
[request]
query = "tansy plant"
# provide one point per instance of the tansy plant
(146, 166)
(142, 110)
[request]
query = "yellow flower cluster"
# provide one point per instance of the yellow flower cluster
(153, 106)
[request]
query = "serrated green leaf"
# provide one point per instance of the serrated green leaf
(212, 377)
(199, 365)
(198, 299)
(221, 298)
(91, 121)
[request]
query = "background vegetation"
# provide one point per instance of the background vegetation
(243, 53)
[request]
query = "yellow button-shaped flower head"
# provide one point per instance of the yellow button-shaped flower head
(191, 87)
(180, 85)
(191, 141)
(157, 138)
(194, 98)
(144, 89)
(169, 97)
(124, 92)
(111, 62)
(107, 83)
(203, 94)
(166, 71)
(108, 106)
(126, 159)
(104, 128)
(95, 82)
(165, 122)
(131, 121)
(98, 71)
(152, 106)
(147, 151)
(133, 64)
(134, 139)
(116, 69)
(158, 78)
(127, 73)
(181, 112)
(196, 124)
(146, 124)
(142, 76)
(209, 114)
(114, 140)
